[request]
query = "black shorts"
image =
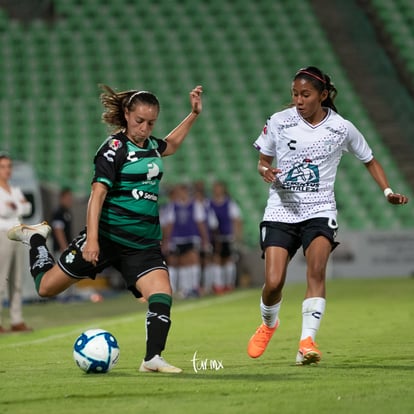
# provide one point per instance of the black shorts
(291, 236)
(223, 249)
(183, 248)
(131, 263)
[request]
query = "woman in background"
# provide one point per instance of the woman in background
(13, 205)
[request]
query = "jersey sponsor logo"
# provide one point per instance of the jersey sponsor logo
(143, 195)
(139, 155)
(109, 155)
(132, 156)
(339, 132)
(115, 144)
(304, 176)
(287, 126)
(329, 145)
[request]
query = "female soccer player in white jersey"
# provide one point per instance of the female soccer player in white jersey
(306, 141)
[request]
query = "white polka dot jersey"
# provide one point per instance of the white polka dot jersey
(308, 156)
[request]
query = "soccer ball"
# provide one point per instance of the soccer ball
(96, 350)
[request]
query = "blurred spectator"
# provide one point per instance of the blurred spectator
(228, 232)
(166, 247)
(13, 205)
(185, 232)
(62, 221)
(208, 268)
(61, 224)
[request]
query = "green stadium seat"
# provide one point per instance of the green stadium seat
(243, 55)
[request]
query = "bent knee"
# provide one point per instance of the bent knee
(274, 285)
(52, 283)
(46, 292)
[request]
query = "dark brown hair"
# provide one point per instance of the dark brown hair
(116, 103)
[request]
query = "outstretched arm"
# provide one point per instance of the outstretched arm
(378, 173)
(175, 138)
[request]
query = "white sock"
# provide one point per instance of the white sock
(185, 279)
(218, 276)
(208, 277)
(196, 276)
(229, 271)
(312, 312)
(173, 272)
(189, 278)
(270, 314)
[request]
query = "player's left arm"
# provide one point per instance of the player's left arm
(175, 138)
(377, 172)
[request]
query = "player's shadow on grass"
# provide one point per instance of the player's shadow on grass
(191, 376)
(365, 366)
(253, 377)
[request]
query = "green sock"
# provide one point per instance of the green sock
(160, 298)
(37, 280)
(158, 323)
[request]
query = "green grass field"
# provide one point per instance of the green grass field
(366, 338)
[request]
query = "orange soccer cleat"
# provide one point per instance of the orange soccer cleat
(308, 352)
(258, 342)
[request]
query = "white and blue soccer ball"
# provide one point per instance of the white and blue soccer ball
(96, 350)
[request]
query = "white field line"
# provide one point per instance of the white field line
(124, 319)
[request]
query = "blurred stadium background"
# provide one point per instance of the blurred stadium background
(54, 53)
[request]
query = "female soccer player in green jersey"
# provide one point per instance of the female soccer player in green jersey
(122, 223)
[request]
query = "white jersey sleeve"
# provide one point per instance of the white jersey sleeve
(357, 144)
(266, 142)
(199, 212)
(234, 210)
(168, 214)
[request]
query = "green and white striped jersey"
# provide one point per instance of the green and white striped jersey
(132, 174)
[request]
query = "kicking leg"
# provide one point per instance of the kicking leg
(48, 277)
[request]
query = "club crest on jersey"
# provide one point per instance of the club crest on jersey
(115, 144)
(329, 145)
(304, 176)
(265, 130)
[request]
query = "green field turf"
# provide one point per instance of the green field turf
(366, 338)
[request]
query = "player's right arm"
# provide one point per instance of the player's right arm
(108, 160)
(91, 248)
(265, 169)
(265, 144)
